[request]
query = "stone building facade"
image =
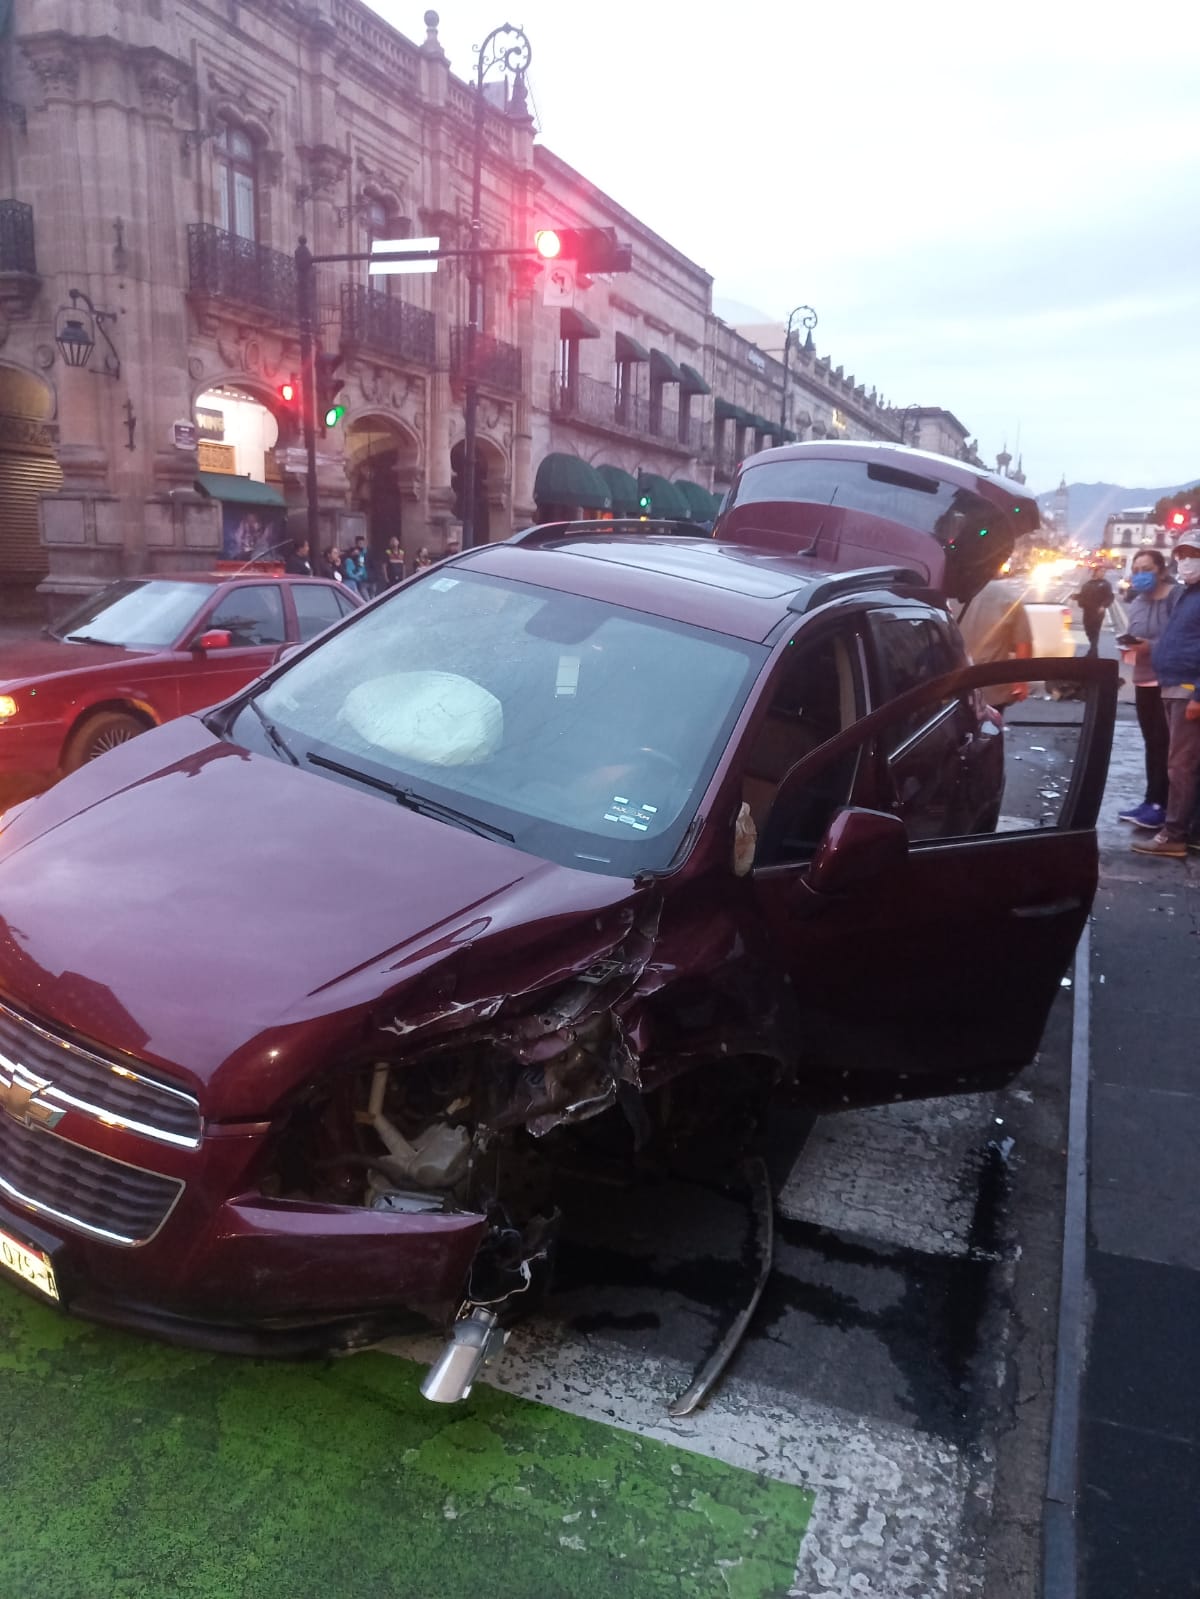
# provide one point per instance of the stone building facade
(160, 160)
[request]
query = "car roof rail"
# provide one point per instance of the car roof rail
(863, 577)
(545, 532)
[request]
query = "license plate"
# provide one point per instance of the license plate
(31, 1265)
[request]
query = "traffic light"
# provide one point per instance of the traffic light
(458, 483)
(289, 393)
(1179, 520)
(591, 249)
(644, 500)
(330, 409)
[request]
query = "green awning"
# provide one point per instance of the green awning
(630, 350)
(238, 490)
(761, 425)
(665, 498)
(788, 436)
(623, 487)
(568, 480)
(699, 500)
(692, 381)
(572, 324)
(726, 411)
(663, 369)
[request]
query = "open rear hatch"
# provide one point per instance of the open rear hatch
(856, 505)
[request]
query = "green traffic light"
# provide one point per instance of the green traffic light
(644, 502)
(334, 415)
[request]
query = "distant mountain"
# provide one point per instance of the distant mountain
(1091, 504)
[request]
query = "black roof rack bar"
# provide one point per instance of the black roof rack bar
(544, 532)
(864, 577)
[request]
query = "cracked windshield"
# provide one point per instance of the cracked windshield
(599, 800)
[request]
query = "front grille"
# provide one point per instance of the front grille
(88, 1192)
(79, 1080)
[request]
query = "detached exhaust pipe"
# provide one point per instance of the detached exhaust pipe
(474, 1340)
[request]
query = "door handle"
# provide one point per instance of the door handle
(1054, 907)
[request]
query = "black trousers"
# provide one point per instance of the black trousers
(1152, 719)
(1093, 621)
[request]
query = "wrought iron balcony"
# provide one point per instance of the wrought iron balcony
(16, 238)
(497, 365)
(590, 400)
(387, 325)
(225, 267)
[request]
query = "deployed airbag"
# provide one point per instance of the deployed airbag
(437, 718)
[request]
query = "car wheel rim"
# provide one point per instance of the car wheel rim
(110, 740)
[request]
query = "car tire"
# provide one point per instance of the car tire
(98, 735)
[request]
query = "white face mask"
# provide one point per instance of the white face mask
(1189, 568)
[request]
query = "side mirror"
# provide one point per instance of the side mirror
(858, 845)
(217, 638)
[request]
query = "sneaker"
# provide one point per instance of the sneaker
(1172, 848)
(1151, 817)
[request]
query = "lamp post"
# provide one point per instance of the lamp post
(808, 319)
(505, 46)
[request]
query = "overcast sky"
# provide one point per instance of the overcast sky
(995, 209)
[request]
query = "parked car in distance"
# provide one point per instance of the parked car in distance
(576, 851)
(140, 652)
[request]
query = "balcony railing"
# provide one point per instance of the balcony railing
(227, 267)
(16, 238)
(498, 365)
(387, 325)
(586, 399)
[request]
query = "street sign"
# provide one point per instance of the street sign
(559, 287)
(184, 435)
(424, 249)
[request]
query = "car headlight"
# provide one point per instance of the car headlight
(8, 707)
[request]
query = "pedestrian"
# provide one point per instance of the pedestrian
(354, 569)
(298, 563)
(1175, 658)
(331, 564)
(393, 564)
(1093, 599)
(424, 558)
(1153, 596)
(995, 627)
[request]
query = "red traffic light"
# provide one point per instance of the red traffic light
(1179, 519)
(288, 392)
(591, 249)
(548, 244)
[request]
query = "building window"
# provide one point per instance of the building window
(623, 387)
(237, 181)
(568, 365)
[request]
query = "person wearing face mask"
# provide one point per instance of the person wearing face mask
(1153, 596)
(1175, 658)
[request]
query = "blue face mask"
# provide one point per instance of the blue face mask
(1143, 582)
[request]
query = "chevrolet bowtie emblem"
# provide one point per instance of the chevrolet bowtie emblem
(21, 1101)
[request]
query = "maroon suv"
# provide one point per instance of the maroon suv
(578, 848)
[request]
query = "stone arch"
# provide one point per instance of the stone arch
(386, 478)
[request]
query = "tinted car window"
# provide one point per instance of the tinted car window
(585, 730)
(911, 649)
(253, 614)
(142, 614)
(316, 609)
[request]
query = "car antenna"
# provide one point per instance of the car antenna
(257, 555)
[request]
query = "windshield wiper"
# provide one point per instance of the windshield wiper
(88, 638)
(413, 801)
(277, 740)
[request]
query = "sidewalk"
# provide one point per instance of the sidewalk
(1139, 1474)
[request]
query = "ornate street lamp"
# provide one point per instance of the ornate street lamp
(508, 48)
(807, 319)
(75, 334)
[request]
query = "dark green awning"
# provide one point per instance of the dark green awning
(623, 487)
(238, 490)
(699, 500)
(726, 411)
(572, 324)
(663, 369)
(564, 480)
(665, 498)
(692, 381)
(630, 350)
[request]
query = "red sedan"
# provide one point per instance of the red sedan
(140, 652)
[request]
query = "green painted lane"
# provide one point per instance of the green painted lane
(130, 1470)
